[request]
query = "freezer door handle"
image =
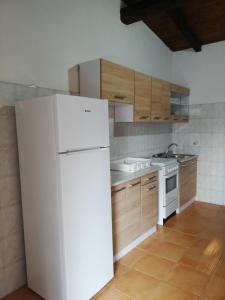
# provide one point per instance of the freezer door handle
(84, 149)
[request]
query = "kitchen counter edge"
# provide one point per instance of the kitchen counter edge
(118, 177)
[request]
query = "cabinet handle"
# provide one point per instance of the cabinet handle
(150, 189)
(184, 166)
(150, 178)
(156, 118)
(133, 184)
(121, 97)
(143, 117)
(120, 190)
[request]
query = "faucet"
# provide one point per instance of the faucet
(168, 148)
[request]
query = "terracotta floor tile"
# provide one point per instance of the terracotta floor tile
(220, 268)
(111, 294)
(175, 237)
(164, 249)
(168, 292)
(204, 255)
(184, 257)
(120, 269)
(155, 266)
(132, 257)
(215, 289)
(23, 294)
(188, 279)
(136, 285)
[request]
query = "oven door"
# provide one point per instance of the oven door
(171, 188)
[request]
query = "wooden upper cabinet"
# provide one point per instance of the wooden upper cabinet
(160, 105)
(117, 82)
(179, 103)
(180, 89)
(166, 99)
(142, 102)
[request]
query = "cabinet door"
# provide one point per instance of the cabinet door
(126, 215)
(184, 183)
(142, 102)
(117, 82)
(149, 206)
(192, 178)
(160, 105)
(166, 100)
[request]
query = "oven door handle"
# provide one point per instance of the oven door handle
(171, 174)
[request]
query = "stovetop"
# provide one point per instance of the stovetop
(159, 161)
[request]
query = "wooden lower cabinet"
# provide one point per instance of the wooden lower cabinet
(134, 210)
(149, 206)
(187, 180)
(126, 214)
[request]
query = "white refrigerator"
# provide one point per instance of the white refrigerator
(66, 195)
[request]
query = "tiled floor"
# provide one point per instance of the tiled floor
(184, 260)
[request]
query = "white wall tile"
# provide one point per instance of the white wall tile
(207, 128)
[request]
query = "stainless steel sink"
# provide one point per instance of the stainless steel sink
(179, 157)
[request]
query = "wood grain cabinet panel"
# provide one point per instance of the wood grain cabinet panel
(142, 102)
(117, 82)
(149, 205)
(180, 89)
(160, 105)
(166, 100)
(126, 215)
(187, 181)
(134, 209)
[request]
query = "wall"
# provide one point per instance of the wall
(203, 72)
(204, 136)
(12, 264)
(41, 40)
(138, 140)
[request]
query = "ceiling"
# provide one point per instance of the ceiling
(180, 24)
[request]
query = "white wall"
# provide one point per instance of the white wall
(203, 72)
(42, 39)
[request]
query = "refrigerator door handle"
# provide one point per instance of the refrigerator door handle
(84, 149)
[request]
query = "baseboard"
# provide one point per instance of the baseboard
(180, 209)
(134, 244)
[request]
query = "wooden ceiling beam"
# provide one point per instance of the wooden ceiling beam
(178, 17)
(145, 8)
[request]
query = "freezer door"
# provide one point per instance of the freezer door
(81, 123)
(87, 222)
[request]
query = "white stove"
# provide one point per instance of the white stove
(168, 186)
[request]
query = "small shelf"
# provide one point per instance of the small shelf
(179, 104)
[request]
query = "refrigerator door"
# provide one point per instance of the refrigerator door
(87, 221)
(82, 123)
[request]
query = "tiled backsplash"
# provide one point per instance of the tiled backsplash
(204, 135)
(138, 139)
(12, 260)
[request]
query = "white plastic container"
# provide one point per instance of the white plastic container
(130, 164)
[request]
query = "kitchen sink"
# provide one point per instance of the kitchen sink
(179, 157)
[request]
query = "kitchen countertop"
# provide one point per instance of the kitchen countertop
(118, 177)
